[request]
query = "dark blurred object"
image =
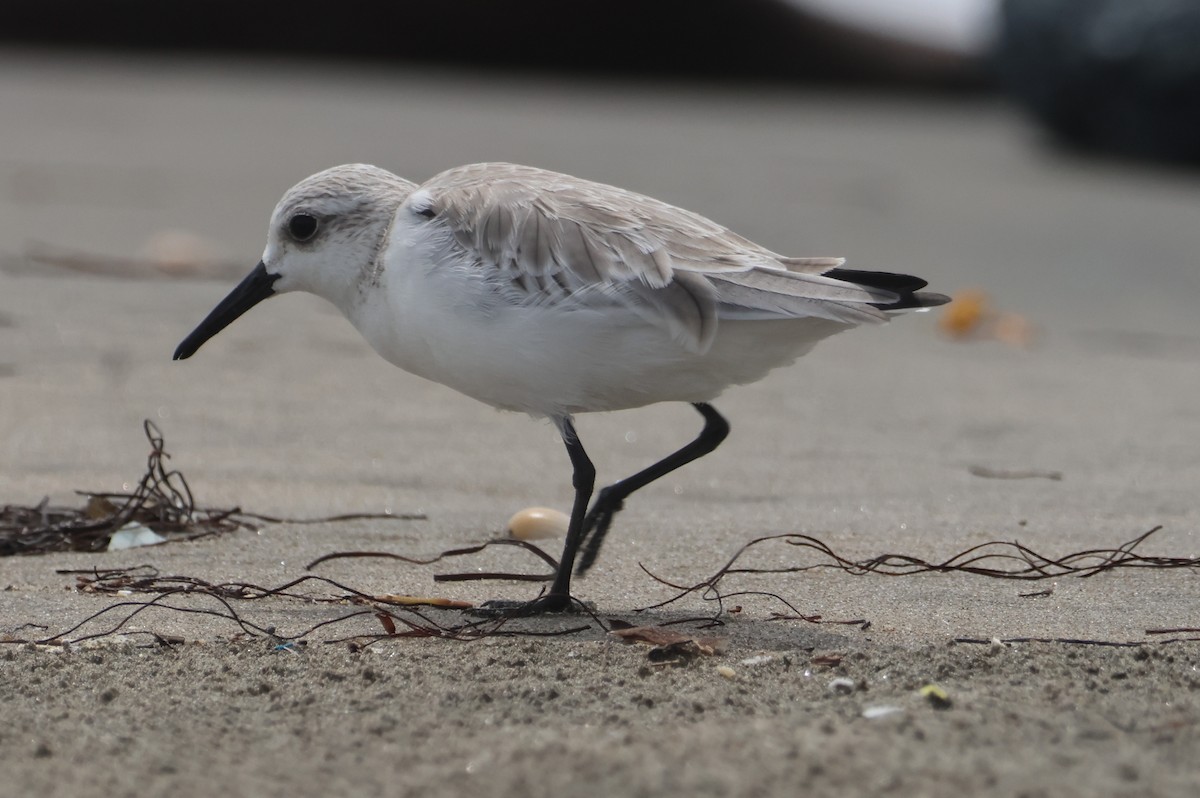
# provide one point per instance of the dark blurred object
(712, 39)
(1120, 76)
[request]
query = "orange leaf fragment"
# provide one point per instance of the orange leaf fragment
(966, 314)
(389, 625)
(654, 635)
(663, 638)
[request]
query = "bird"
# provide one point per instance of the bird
(539, 292)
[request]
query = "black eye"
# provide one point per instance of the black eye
(302, 226)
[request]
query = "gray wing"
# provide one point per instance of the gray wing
(549, 238)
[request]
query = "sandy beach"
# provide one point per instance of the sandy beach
(891, 440)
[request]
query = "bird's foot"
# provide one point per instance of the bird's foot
(558, 603)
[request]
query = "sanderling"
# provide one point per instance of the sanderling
(548, 294)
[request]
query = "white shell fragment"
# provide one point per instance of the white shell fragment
(882, 711)
(842, 685)
(758, 660)
(133, 535)
(726, 671)
(538, 523)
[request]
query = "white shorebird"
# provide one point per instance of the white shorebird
(543, 293)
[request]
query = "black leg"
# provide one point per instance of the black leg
(558, 598)
(583, 478)
(612, 498)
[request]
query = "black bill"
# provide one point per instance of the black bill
(257, 286)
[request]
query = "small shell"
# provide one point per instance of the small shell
(538, 523)
(726, 671)
(842, 685)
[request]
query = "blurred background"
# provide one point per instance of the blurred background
(818, 117)
(1035, 158)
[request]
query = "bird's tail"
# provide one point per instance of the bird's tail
(906, 288)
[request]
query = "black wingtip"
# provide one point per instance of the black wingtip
(906, 288)
(885, 281)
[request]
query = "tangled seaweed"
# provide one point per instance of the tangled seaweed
(407, 617)
(161, 502)
(397, 621)
(1026, 564)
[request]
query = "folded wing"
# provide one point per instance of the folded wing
(545, 238)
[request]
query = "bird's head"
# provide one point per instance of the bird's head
(325, 238)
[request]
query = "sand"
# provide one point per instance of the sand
(867, 444)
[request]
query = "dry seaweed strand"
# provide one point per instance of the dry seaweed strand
(459, 552)
(709, 591)
(146, 579)
(474, 576)
(1031, 566)
(1069, 641)
(162, 502)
